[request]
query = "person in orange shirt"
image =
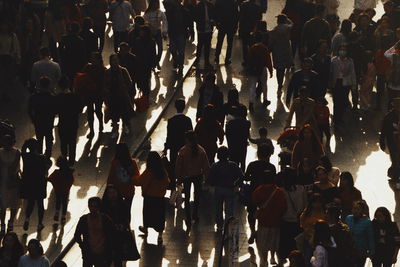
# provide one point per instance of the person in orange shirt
(122, 173)
(154, 182)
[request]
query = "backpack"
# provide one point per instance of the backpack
(244, 194)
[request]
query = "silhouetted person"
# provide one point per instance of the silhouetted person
(89, 37)
(249, 15)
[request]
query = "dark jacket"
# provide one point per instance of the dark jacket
(178, 18)
(237, 134)
(224, 174)
(34, 174)
(73, 54)
(323, 69)
(217, 100)
(91, 43)
(69, 106)
(199, 15)
(227, 15)
(129, 62)
(145, 51)
(299, 79)
(42, 109)
(177, 126)
(249, 15)
(387, 238)
(388, 134)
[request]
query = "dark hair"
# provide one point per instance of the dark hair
(64, 82)
(60, 264)
(320, 168)
(326, 162)
(370, 10)
(44, 52)
(96, 200)
(385, 212)
(307, 60)
(32, 144)
(180, 105)
(139, 20)
(210, 77)
(353, 36)
(363, 205)
(123, 156)
(319, 9)
(264, 151)
(314, 139)
(334, 211)
(223, 153)
(233, 96)
(346, 26)
(242, 111)
(145, 29)
(105, 201)
(314, 198)
(191, 137)
(322, 233)
(155, 165)
(298, 258)
(44, 82)
(261, 25)
(18, 249)
(37, 244)
(153, 5)
(8, 140)
(281, 19)
(263, 131)
(348, 177)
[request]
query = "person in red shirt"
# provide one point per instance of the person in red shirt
(321, 114)
(271, 203)
(62, 179)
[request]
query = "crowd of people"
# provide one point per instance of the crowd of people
(309, 213)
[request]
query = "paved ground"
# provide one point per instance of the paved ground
(356, 151)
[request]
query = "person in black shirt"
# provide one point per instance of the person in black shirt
(41, 109)
(69, 106)
(89, 37)
(128, 60)
(259, 172)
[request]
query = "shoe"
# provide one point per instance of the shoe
(251, 238)
(228, 62)
(272, 261)
(26, 225)
(40, 227)
(143, 230)
(266, 103)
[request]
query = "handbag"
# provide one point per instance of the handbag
(129, 250)
(142, 103)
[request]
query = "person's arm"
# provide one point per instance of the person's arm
(221, 133)
(131, 11)
(269, 64)
(179, 166)
(370, 236)
(396, 241)
(290, 89)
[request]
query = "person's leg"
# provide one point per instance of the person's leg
(220, 40)
(98, 107)
(252, 81)
(181, 51)
(200, 44)
(90, 117)
(245, 46)
(229, 40)
(280, 74)
(72, 145)
(13, 214)
(251, 218)
(380, 89)
(263, 81)
(187, 185)
(197, 195)
(219, 203)
(39, 137)
(40, 207)
(58, 207)
(327, 131)
(229, 203)
(207, 47)
(338, 104)
(49, 141)
(117, 40)
(28, 212)
(354, 97)
(63, 142)
(159, 43)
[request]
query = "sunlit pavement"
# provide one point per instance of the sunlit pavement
(354, 150)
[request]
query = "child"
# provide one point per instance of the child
(62, 180)
(263, 139)
(322, 113)
(367, 81)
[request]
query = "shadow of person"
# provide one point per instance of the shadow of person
(55, 246)
(151, 255)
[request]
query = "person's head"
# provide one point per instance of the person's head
(35, 249)
(389, 7)
(281, 19)
(363, 20)
(326, 163)
(124, 48)
(322, 233)
(307, 64)
(307, 133)
(7, 141)
(114, 61)
(333, 213)
(382, 215)
(264, 152)
(342, 51)
(346, 181)
(296, 259)
(32, 145)
(334, 22)
(139, 21)
(111, 194)
(261, 26)
(75, 28)
(233, 96)
(319, 10)
(384, 23)
(263, 132)
(323, 47)
(370, 12)
(358, 209)
(96, 59)
(44, 84)
(155, 165)
(346, 26)
(153, 5)
(87, 23)
(62, 163)
(94, 204)
(315, 203)
(64, 83)
(223, 153)
(209, 113)
(11, 242)
(393, 172)
(209, 79)
(321, 174)
(180, 105)
(44, 52)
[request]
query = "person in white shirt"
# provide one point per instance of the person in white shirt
(121, 12)
(158, 26)
(35, 256)
(45, 67)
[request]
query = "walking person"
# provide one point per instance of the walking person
(69, 107)
(11, 250)
(10, 174)
(154, 182)
(123, 171)
(191, 167)
(210, 93)
(45, 66)
(95, 235)
(119, 93)
(35, 256)
(62, 180)
(34, 180)
(96, 10)
(224, 175)
(121, 12)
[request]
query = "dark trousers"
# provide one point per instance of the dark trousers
(44, 132)
(220, 39)
(173, 154)
(340, 101)
(62, 202)
(159, 42)
(288, 231)
(68, 143)
(187, 186)
(204, 41)
(177, 47)
(40, 207)
(245, 46)
(100, 32)
(382, 258)
(120, 37)
(325, 129)
(380, 88)
(251, 217)
(94, 107)
(239, 156)
(280, 74)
